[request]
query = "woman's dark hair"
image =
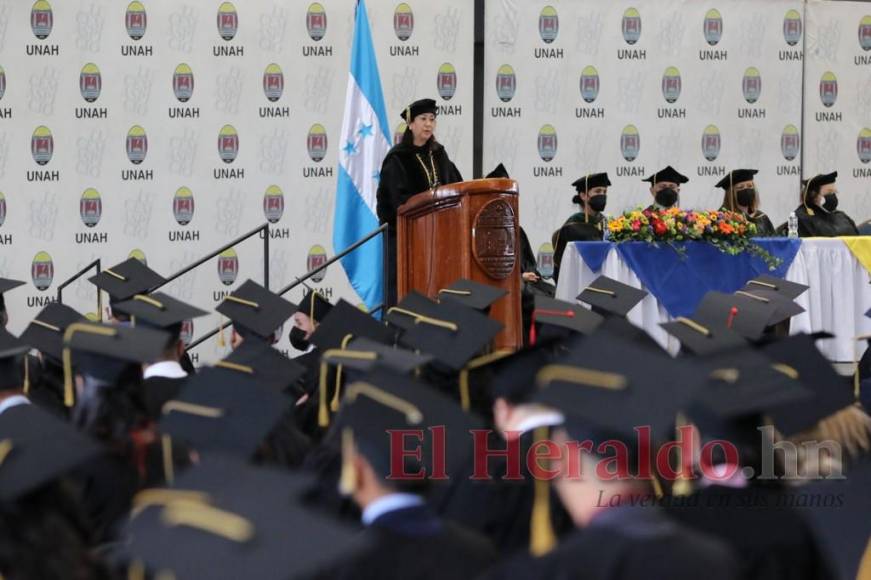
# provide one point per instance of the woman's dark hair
(120, 407)
(408, 139)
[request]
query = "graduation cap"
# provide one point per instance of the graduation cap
(831, 391)
(225, 519)
(782, 307)
(158, 310)
(419, 107)
(7, 284)
(315, 306)
(746, 314)
(472, 294)
(254, 309)
(701, 339)
(736, 176)
(669, 174)
(785, 288)
(261, 363)
(124, 280)
(104, 351)
(345, 322)
(227, 412)
(514, 376)
(452, 333)
(404, 314)
(587, 182)
(11, 349)
(499, 173)
(566, 317)
(819, 180)
(386, 401)
(608, 296)
(35, 448)
(45, 333)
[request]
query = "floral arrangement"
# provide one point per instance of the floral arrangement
(729, 231)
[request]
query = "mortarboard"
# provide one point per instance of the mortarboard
(315, 306)
(669, 174)
(418, 107)
(405, 313)
(514, 376)
(587, 182)
(35, 448)
(819, 180)
(701, 339)
(123, 280)
(45, 333)
(783, 308)
(472, 294)
(225, 519)
(11, 349)
(499, 173)
(747, 315)
(344, 322)
(253, 308)
(787, 289)
(736, 176)
(158, 310)
(7, 284)
(551, 312)
(263, 364)
(609, 296)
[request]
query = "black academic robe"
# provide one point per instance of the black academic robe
(771, 540)
(414, 543)
(529, 290)
(578, 228)
(628, 543)
(403, 176)
(156, 391)
(823, 223)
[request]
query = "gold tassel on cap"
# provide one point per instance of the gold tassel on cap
(168, 468)
(323, 410)
(136, 570)
(348, 477)
(865, 564)
(542, 538)
(694, 325)
(69, 395)
(222, 342)
(26, 374)
(334, 404)
(581, 376)
(209, 519)
(465, 392)
(682, 486)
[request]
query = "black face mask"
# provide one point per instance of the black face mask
(597, 202)
(745, 197)
(831, 203)
(298, 339)
(666, 197)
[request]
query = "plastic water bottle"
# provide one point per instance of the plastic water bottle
(606, 233)
(792, 225)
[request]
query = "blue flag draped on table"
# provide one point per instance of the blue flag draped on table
(364, 144)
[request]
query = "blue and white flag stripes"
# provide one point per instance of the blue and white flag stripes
(363, 145)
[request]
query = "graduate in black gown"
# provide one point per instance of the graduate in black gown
(740, 194)
(818, 215)
(418, 163)
(665, 188)
(586, 225)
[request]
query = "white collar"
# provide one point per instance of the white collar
(544, 419)
(13, 401)
(169, 369)
(389, 503)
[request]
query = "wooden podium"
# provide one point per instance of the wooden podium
(464, 230)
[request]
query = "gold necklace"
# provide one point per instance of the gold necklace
(433, 179)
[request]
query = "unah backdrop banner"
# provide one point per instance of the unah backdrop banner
(837, 88)
(164, 129)
(630, 86)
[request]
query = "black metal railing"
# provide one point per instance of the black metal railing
(301, 280)
(76, 276)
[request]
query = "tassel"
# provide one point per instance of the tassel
(865, 565)
(348, 477)
(465, 398)
(542, 538)
(323, 411)
(334, 404)
(136, 570)
(69, 399)
(222, 342)
(168, 470)
(26, 374)
(657, 487)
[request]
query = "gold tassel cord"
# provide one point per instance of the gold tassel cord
(224, 364)
(222, 342)
(753, 296)
(728, 375)
(26, 374)
(693, 325)
(323, 410)
(168, 468)
(192, 409)
(600, 291)
(243, 302)
(6, 446)
(161, 496)
(465, 391)
(437, 323)
(334, 404)
(348, 477)
(542, 538)
(763, 284)
(72, 329)
(581, 376)
(412, 413)
(150, 301)
(46, 325)
(786, 370)
(465, 395)
(209, 519)
(115, 275)
(455, 292)
(136, 570)
(865, 564)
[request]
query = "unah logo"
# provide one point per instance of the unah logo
(90, 207)
(713, 27)
(41, 19)
(316, 142)
(631, 26)
(90, 82)
(183, 206)
(316, 21)
(136, 20)
(2, 208)
(403, 21)
(630, 143)
(865, 32)
(400, 131)
(547, 143)
(548, 24)
(671, 84)
(42, 271)
(273, 204)
(790, 142)
(751, 85)
(792, 27)
(183, 82)
(506, 83)
(446, 81)
(228, 144)
(589, 84)
(273, 82)
(828, 89)
(137, 144)
(711, 142)
(42, 145)
(317, 257)
(228, 21)
(139, 255)
(863, 145)
(2, 82)
(228, 266)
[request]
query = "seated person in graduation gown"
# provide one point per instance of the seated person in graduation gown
(818, 215)
(312, 309)
(6, 284)
(741, 195)
(586, 225)
(665, 188)
(418, 163)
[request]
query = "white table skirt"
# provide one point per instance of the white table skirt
(837, 300)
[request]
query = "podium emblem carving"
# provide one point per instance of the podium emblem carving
(493, 239)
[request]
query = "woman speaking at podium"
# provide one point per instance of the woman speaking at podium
(415, 164)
